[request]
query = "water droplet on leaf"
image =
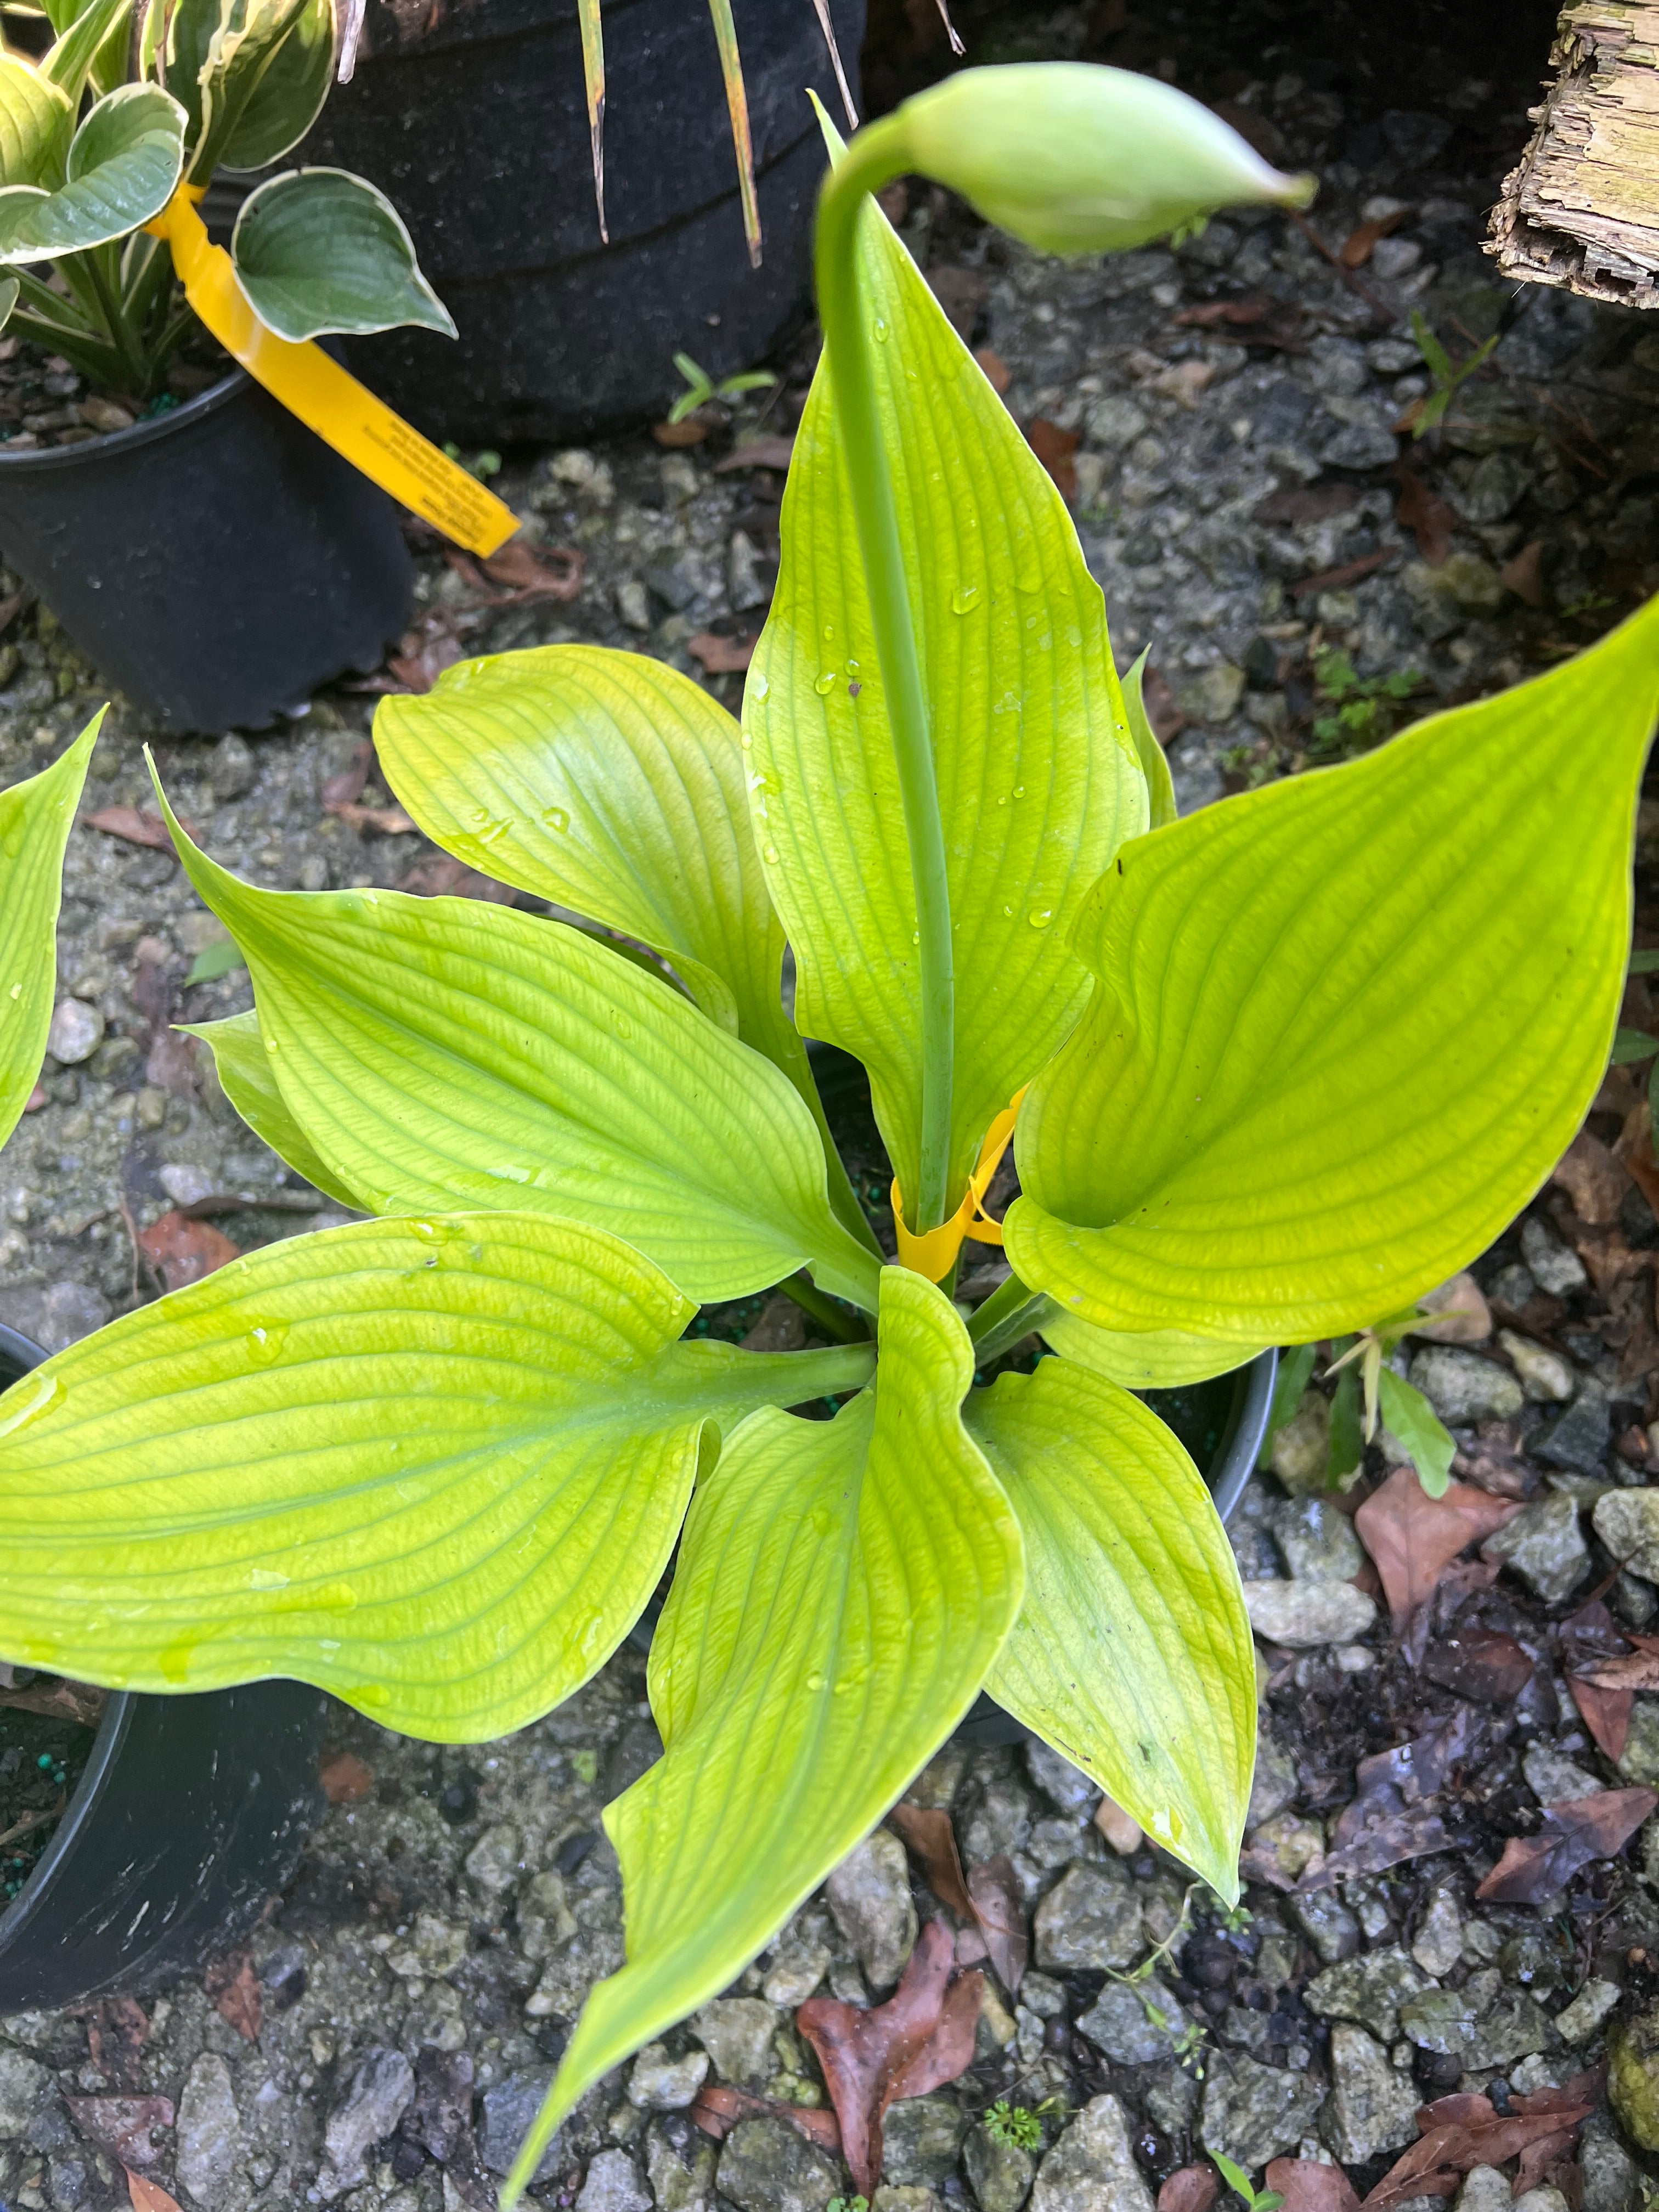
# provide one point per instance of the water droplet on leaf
(758, 684)
(556, 818)
(825, 682)
(1040, 916)
(964, 597)
(769, 854)
(264, 1341)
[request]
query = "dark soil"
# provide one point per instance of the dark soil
(41, 1762)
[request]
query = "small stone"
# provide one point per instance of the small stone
(1463, 1388)
(1544, 1546)
(1091, 1918)
(1307, 1616)
(184, 1181)
(211, 2130)
(737, 2033)
(1553, 1777)
(1439, 1943)
(614, 2184)
(1627, 1522)
(1302, 1449)
(1366, 444)
(765, 2166)
(1372, 2108)
(1608, 2170)
(1543, 2199)
(1210, 695)
(102, 414)
(1578, 1440)
(434, 1948)
(76, 1031)
(70, 1311)
(1546, 1377)
(661, 2084)
(1481, 2024)
(1497, 482)
(1485, 2190)
(1274, 1787)
(869, 1894)
(1317, 1540)
(1328, 1924)
(1370, 1989)
(1067, 1786)
(904, 2197)
(1639, 1761)
(1633, 2076)
(1577, 2022)
(1292, 1842)
(1252, 2112)
(1556, 1267)
(22, 2084)
(510, 2108)
(921, 2138)
(995, 1818)
(999, 2174)
(1116, 424)
(795, 1971)
(1092, 2167)
(495, 1861)
(679, 2164)
(633, 605)
(232, 769)
(1135, 2024)
(379, 2090)
(545, 1920)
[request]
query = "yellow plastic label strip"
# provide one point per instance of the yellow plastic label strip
(934, 1254)
(327, 398)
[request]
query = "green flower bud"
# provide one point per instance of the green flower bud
(1075, 158)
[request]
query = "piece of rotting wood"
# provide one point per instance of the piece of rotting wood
(1582, 209)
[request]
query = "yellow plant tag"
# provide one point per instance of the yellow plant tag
(934, 1253)
(327, 398)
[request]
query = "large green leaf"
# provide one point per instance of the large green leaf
(449, 1053)
(842, 1586)
(35, 820)
(319, 250)
(613, 785)
(1344, 1026)
(435, 1466)
(1037, 774)
(245, 1077)
(1156, 1359)
(1131, 1655)
(122, 166)
(36, 119)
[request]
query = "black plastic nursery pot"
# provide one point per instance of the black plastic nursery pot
(471, 116)
(189, 1815)
(216, 563)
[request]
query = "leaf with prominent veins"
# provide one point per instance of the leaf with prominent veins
(435, 1466)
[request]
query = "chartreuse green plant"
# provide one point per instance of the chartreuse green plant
(35, 819)
(129, 104)
(1280, 1068)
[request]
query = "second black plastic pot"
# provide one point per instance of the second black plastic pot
(216, 563)
(189, 1816)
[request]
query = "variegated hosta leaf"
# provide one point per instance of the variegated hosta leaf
(842, 1586)
(36, 817)
(1344, 1026)
(122, 166)
(1037, 772)
(36, 120)
(444, 1053)
(435, 1466)
(1131, 1655)
(613, 785)
(319, 250)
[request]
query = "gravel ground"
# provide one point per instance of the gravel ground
(1239, 486)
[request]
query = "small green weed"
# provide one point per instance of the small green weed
(1360, 709)
(847, 2204)
(1449, 375)
(701, 387)
(1016, 2127)
(483, 465)
(1265, 2200)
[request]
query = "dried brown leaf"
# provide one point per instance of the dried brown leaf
(1463, 2131)
(771, 452)
(59, 1699)
(1414, 1538)
(1356, 248)
(723, 656)
(1349, 572)
(1055, 448)
(998, 374)
(122, 2126)
(719, 2107)
(183, 1251)
(149, 2196)
(1523, 573)
(1424, 514)
(928, 1836)
(949, 2051)
(995, 1888)
(347, 787)
(865, 2055)
(1534, 1868)
(1482, 1663)
(233, 1987)
(1166, 718)
(1307, 2184)
(385, 821)
(1192, 2188)
(134, 827)
(345, 1779)
(116, 2031)
(691, 429)
(525, 572)
(1593, 1180)
(441, 875)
